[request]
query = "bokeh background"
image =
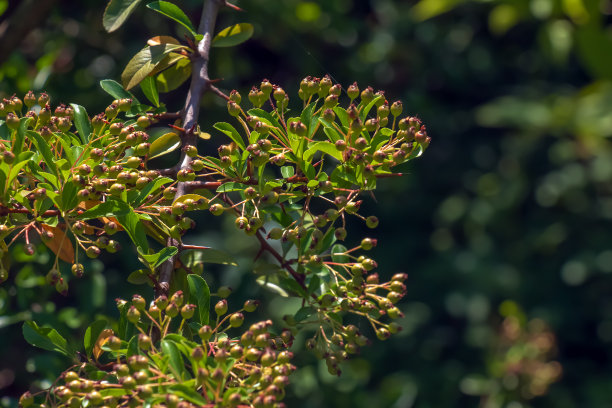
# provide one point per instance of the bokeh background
(504, 226)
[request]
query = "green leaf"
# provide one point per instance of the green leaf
(231, 132)
(304, 313)
(176, 360)
(160, 257)
(91, 335)
(149, 89)
(133, 226)
(188, 393)
(287, 171)
(216, 256)
(233, 35)
(132, 348)
(110, 208)
(114, 89)
(43, 147)
(272, 286)
(150, 188)
(20, 135)
(81, 122)
(174, 12)
(338, 254)
(45, 338)
(174, 76)
(19, 164)
(143, 63)
(139, 277)
(199, 293)
(231, 186)
(164, 144)
(325, 147)
(116, 12)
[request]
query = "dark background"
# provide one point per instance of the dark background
(507, 214)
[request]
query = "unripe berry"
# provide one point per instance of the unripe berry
(138, 302)
(236, 319)
(92, 251)
(275, 233)
(396, 108)
(352, 91)
(383, 334)
(361, 143)
(242, 222)
(216, 209)
(172, 309)
(221, 307)
(178, 298)
(250, 305)
(124, 104)
(368, 243)
(77, 270)
(144, 342)
(143, 122)
(205, 332)
(187, 311)
(26, 399)
(372, 221)
(133, 315)
(340, 234)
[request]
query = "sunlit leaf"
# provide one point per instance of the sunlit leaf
(81, 122)
(45, 338)
(174, 76)
(162, 39)
(110, 208)
(164, 144)
(114, 89)
(230, 131)
(174, 12)
(160, 257)
(100, 341)
(139, 277)
(149, 89)
(233, 35)
(116, 12)
(143, 63)
(91, 335)
(199, 293)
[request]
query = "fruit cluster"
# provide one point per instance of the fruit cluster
(190, 365)
(291, 182)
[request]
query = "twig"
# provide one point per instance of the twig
(200, 83)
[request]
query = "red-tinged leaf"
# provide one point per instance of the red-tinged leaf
(60, 244)
(162, 39)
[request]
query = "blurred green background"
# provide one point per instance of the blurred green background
(504, 225)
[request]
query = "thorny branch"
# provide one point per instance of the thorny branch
(200, 83)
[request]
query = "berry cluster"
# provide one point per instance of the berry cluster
(292, 182)
(191, 365)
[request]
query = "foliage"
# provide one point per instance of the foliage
(511, 203)
(76, 181)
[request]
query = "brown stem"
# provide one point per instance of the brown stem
(200, 83)
(284, 264)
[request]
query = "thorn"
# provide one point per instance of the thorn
(218, 92)
(233, 6)
(180, 129)
(190, 43)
